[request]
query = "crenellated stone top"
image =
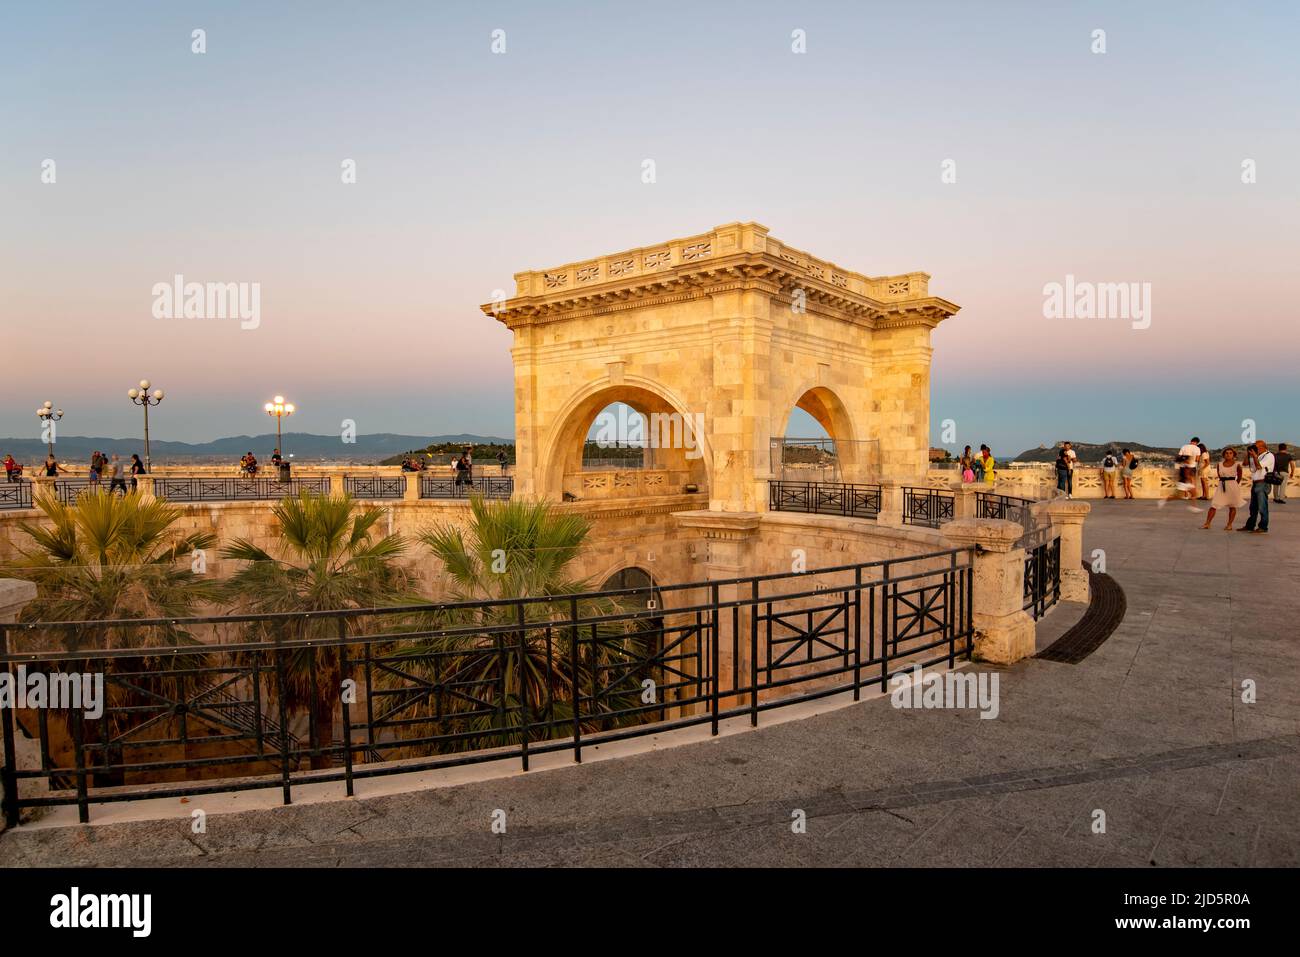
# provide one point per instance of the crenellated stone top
(729, 256)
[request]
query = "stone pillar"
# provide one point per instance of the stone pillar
(529, 482)
(1004, 631)
(412, 492)
(1068, 516)
(891, 503)
(900, 398)
(41, 485)
(964, 501)
(737, 417)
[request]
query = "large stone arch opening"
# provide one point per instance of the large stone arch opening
(676, 459)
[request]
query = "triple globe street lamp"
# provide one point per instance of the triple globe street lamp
(48, 416)
(278, 408)
(142, 397)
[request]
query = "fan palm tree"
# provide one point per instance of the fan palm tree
(486, 673)
(114, 558)
(332, 559)
(110, 557)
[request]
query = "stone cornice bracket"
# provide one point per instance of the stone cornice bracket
(1068, 511)
(721, 526)
(985, 534)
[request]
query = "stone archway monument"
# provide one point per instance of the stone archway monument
(721, 334)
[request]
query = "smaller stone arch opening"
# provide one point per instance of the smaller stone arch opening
(818, 443)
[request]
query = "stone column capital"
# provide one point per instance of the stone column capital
(1068, 511)
(986, 534)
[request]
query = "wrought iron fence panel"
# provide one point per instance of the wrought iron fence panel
(375, 486)
(1042, 576)
(927, 506)
(234, 489)
(825, 498)
(69, 490)
(447, 486)
(16, 494)
(799, 637)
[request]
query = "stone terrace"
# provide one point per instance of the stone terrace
(1150, 728)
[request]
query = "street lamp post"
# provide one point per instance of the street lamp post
(141, 397)
(279, 409)
(48, 416)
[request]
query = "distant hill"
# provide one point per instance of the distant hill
(1091, 453)
(303, 446)
(1094, 452)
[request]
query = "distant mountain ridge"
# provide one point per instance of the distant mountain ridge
(302, 445)
(1089, 452)
(1093, 452)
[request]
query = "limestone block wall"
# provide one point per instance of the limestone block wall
(623, 534)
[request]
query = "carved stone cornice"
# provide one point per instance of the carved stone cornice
(596, 509)
(738, 256)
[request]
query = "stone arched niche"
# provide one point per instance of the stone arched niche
(678, 454)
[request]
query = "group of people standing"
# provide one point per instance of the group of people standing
(1268, 474)
(1117, 471)
(978, 468)
(102, 465)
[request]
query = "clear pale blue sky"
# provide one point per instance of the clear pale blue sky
(1116, 167)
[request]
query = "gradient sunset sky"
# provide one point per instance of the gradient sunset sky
(1117, 167)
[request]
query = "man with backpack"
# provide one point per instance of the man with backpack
(1109, 470)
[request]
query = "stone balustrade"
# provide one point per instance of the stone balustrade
(1039, 482)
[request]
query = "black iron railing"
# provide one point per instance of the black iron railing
(1009, 509)
(824, 498)
(69, 490)
(16, 495)
(233, 489)
(446, 486)
(435, 686)
(930, 507)
(1042, 574)
(375, 486)
(1006, 507)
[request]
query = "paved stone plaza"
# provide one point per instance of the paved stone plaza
(1150, 728)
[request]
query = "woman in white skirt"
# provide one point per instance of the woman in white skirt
(1228, 494)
